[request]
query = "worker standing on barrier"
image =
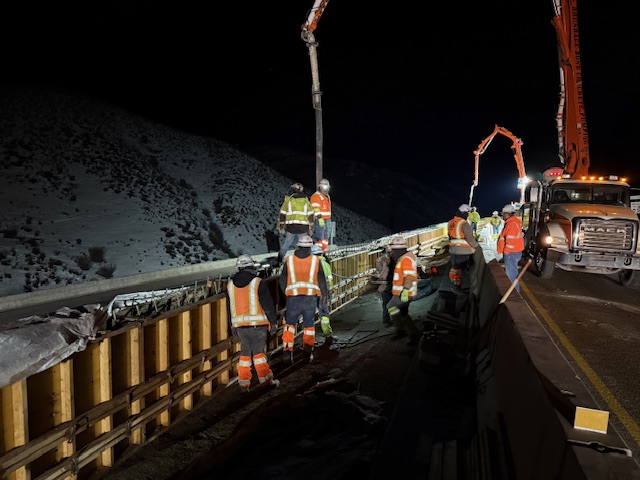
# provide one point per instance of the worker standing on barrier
(462, 244)
(253, 316)
(321, 203)
(295, 219)
(323, 310)
(474, 218)
(511, 242)
(496, 223)
(384, 274)
(303, 281)
(404, 288)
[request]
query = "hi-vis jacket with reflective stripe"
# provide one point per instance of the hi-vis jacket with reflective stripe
(328, 274)
(296, 210)
(511, 239)
(302, 276)
(460, 235)
(244, 304)
(321, 204)
(405, 275)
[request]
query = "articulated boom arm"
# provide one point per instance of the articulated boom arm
(314, 15)
(571, 122)
(517, 155)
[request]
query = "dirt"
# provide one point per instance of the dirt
(331, 412)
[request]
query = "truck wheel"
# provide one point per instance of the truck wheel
(625, 277)
(544, 267)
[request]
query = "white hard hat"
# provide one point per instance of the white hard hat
(245, 261)
(305, 241)
(464, 208)
(495, 212)
(324, 185)
(317, 250)
(398, 242)
(508, 208)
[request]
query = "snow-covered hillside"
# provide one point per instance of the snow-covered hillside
(90, 191)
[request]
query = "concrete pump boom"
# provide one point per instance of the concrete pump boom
(307, 35)
(571, 122)
(517, 155)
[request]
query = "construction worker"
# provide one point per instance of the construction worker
(384, 274)
(296, 218)
(323, 310)
(462, 244)
(474, 218)
(302, 280)
(253, 316)
(511, 242)
(403, 287)
(496, 223)
(321, 202)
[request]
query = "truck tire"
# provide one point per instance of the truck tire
(545, 268)
(625, 277)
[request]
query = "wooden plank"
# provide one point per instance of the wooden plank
(162, 363)
(135, 376)
(221, 323)
(101, 360)
(184, 352)
(15, 423)
(204, 342)
(63, 406)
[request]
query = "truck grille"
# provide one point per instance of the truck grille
(606, 235)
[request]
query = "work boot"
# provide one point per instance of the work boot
(308, 356)
(288, 356)
(244, 390)
(274, 383)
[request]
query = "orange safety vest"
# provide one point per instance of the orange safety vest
(244, 303)
(406, 269)
(302, 276)
(456, 236)
(511, 239)
(321, 204)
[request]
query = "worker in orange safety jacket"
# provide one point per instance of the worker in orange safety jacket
(302, 280)
(403, 286)
(511, 242)
(253, 316)
(462, 244)
(321, 203)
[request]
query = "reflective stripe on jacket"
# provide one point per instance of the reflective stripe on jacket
(302, 276)
(321, 204)
(328, 275)
(456, 236)
(296, 210)
(244, 303)
(405, 275)
(511, 239)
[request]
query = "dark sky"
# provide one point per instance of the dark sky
(413, 85)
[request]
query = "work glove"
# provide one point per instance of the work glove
(404, 296)
(281, 227)
(321, 222)
(273, 330)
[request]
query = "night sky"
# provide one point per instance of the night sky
(413, 85)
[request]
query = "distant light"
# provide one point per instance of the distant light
(623, 179)
(602, 178)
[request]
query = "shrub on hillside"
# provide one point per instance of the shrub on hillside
(84, 262)
(97, 254)
(106, 271)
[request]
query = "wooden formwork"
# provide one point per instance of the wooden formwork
(132, 384)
